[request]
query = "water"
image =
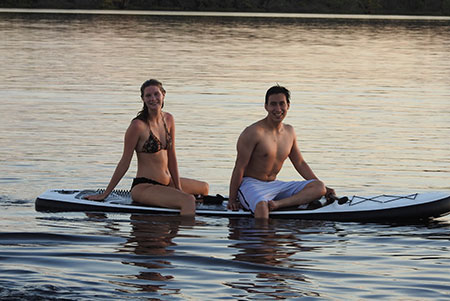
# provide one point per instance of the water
(370, 104)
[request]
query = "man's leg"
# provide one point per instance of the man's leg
(262, 210)
(312, 191)
(253, 195)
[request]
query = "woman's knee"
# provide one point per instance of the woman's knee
(188, 200)
(187, 205)
(200, 187)
(195, 187)
(204, 188)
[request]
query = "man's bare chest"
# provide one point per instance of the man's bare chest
(274, 147)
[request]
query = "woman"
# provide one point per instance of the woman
(152, 135)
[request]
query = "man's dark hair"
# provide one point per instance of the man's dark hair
(277, 90)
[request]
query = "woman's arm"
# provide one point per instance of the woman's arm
(130, 141)
(171, 154)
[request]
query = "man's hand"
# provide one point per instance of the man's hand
(234, 205)
(330, 194)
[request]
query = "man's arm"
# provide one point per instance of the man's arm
(299, 162)
(245, 147)
(303, 168)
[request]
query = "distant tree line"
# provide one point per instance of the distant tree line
(414, 7)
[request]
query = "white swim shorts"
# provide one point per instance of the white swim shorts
(253, 191)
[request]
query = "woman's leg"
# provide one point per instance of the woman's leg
(164, 196)
(194, 187)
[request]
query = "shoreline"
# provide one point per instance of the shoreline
(221, 14)
(349, 7)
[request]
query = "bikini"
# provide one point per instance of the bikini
(153, 145)
(143, 180)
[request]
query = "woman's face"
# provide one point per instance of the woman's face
(153, 98)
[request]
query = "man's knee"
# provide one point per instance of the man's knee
(319, 187)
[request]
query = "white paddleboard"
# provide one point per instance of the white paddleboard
(415, 206)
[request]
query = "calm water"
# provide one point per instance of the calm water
(370, 104)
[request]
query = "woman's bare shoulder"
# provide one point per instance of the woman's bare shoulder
(137, 125)
(168, 117)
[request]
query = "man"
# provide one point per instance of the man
(262, 149)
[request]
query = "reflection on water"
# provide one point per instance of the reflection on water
(154, 256)
(370, 104)
(152, 237)
(260, 243)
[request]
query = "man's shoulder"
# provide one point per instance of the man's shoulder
(261, 126)
(254, 128)
(251, 134)
(288, 127)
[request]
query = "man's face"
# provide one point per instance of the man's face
(277, 106)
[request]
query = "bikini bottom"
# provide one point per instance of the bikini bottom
(142, 180)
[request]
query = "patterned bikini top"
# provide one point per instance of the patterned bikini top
(153, 144)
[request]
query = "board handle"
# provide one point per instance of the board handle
(211, 199)
(340, 200)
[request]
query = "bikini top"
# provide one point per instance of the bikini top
(153, 144)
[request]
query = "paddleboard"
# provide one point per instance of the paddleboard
(415, 206)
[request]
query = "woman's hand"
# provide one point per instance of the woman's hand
(96, 197)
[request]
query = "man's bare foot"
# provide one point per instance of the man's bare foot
(273, 205)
